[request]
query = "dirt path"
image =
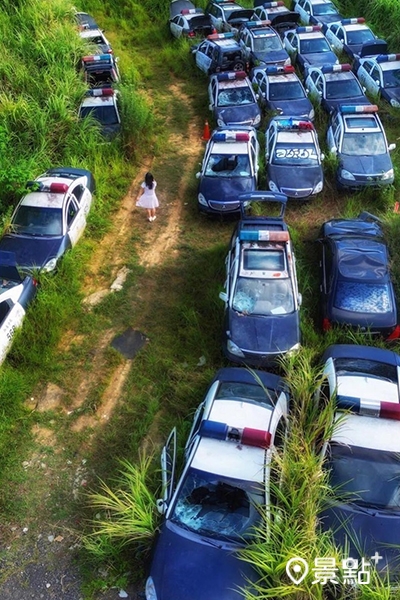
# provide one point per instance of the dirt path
(38, 562)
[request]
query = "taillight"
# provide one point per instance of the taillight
(214, 30)
(326, 325)
(34, 281)
(191, 34)
(395, 333)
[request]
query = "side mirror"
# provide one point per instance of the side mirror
(299, 299)
(319, 92)
(334, 150)
(161, 506)
(322, 156)
(392, 147)
(223, 296)
(210, 107)
(198, 175)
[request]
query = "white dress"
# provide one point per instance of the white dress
(148, 199)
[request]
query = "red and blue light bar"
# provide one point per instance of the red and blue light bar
(273, 4)
(97, 58)
(231, 75)
(230, 136)
(263, 235)
(279, 70)
(308, 28)
(360, 108)
(387, 58)
(335, 68)
(246, 435)
(191, 11)
(56, 187)
(369, 408)
(294, 124)
(353, 21)
(100, 92)
(254, 24)
(221, 36)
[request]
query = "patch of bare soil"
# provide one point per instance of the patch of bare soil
(39, 564)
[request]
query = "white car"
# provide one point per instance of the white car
(380, 76)
(349, 36)
(101, 104)
(316, 12)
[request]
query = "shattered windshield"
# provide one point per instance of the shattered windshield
(221, 508)
(263, 296)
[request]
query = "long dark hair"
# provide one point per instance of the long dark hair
(149, 180)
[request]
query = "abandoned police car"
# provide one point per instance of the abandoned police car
(261, 45)
(294, 158)
(97, 39)
(232, 99)
(280, 90)
(16, 292)
(101, 105)
(185, 20)
(307, 46)
(229, 168)
(210, 511)
(332, 85)
(219, 52)
(362, 458)
(50, 218)
(261, 297)
(227, 15)
(380, 75)
(316, 12)
(356, 289)
(349, 36)
(100, 70)
(357, 138)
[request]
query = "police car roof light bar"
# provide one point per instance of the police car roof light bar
(221, 36)
(359, 108)
(308, 28)
(273, 4)
(230, 75)
(387, 58)
(97, 58)
(254, 24)
(335, 68)
(263, 235)
(246, 435)
(231, 136)
(100, 92)
(58, 188)
(370, 408)
(279, 70)
(352, 21)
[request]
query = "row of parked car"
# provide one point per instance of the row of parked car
(210, 510)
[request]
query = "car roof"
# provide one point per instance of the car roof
(355, 26)
(230, 459)
(98, 101)
(234, 83)
(339, 75)
(299, 135)
(361, 258)
(229, 147)
(44, 199)
(282, 77)
(226, 43)
(310, 35)
(390, 65)
(368, 432)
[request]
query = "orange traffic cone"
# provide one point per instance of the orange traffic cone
(396, 207)
(206, 131)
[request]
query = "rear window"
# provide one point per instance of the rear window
(367, 366)
(254, 260)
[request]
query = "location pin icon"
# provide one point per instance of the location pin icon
(296, 569)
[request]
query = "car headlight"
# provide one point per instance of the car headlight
(287, 62)
(50, 265)
(150, 589)
(294, 349)
(221, 123)
(202, 200)
(257, 120)
(273, 187)
(347, 175)
(311, 114)
(318, 187)
(389, 174)
(395, 103)
(234, 349)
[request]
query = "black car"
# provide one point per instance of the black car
(219, 52)
(356, 288)
(262, 301)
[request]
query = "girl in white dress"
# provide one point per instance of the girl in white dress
(148, 199)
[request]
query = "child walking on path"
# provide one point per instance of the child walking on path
(148, 199)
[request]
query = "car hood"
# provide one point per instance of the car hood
(237, 114)
(225, 189)
(302, 179)
(264, 334)
(319, 58)
(295, 108)
(270, 58)
(30, 251)
(366, 531)
(373, 48)
(368, 165)
(184, 567)
(240, 16)
(391, 93)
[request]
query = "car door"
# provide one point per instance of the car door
(216, 17)
(331, 36)
(259, 78)
(311, 85)
(326, 276)
(78, 206)
(364, 74)
(203, 60)
(291, 44)
(269, 143)
(213, 92)
(175, 28)
(333, 135)
(168, 467)
(376, 81)
(11, 317)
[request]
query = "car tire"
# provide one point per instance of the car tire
(238, 65)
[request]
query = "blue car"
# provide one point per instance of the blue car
(307, 46)
(210, 511)
(50, 218)
(293, 158)
(232, 99)
(362, 457)
(380, 75)
(229, 168)
(280, 90)
(356, 288)
(262, 45)
(357, 138)
(261, 297)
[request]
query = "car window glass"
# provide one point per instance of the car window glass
(5, 308)
(37, 220)
(78, 191)
(72, 211)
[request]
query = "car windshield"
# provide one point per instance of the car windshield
(324, 9)
(346, 88)
(269, 43)
(363, 144)
(37, 220)
(359, 36)
(358, 297)
(314, 45)
(366, 477)
(391, 78)
(254, 296)
(228, 390)
(99, 78)
(96, 39)
(288, 90)
(226, 165)
(235, 97)
(295, 155)
(106, 115)
(217, 507)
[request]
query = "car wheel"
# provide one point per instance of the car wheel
(238, 65)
